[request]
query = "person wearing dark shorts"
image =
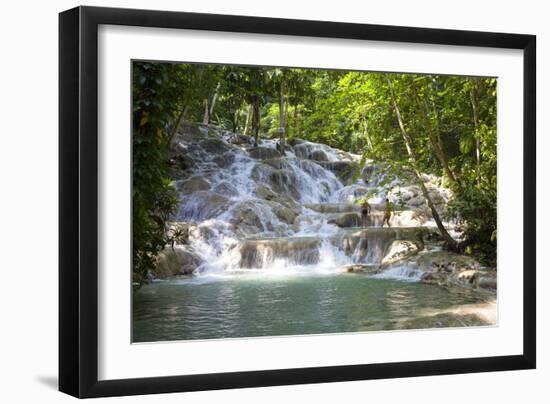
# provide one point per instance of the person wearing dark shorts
(365, 213)
(387, 213)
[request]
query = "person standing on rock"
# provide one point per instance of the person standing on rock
(365, 213)
(387, 213)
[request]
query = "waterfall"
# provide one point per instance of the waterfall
(255, 209)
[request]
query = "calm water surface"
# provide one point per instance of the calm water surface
(248, 305)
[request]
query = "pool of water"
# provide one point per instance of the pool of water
(250, 305)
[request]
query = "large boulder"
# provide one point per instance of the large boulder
(214, 146)
(280, 181)
(202, 205)
(294, 141)
(344, 170)
(259, 253)
(445, 320)
(416, 201)
(181, 260)
(289, 202)
(245, 216)
(480, 278)
(446, 261)
(318, 155)
(277, 163)
(227, 189)
(262, 153)
(361, 268)
(407, 218)
(240, 139)
(194, 184)
(224, 160)
(180, 161)
(348, 219)
(450, 269)
(284, 213)
(264, 192)
(400, 250)
(304, 149)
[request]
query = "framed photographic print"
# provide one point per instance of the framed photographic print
(251, 201)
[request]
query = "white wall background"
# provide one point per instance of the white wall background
(28, 201)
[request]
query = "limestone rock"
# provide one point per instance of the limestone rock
(182, 162)
(263, 153)
(201, 205)
(261, 252)
(450, 269)
(342, 169)
(239, 139)
(280, 181)
(361, 268)
(244, 214)
(194, 184)
(294, 141)
(181, 260)
(438, 261)
(277, 163)
(284, 213)
(480, 278)
(416, 201)
(348, 219)
(224, 160)
(288, 202)
(400, 250)
(214, 146)
(318, 155)
(226, 189)
(408, 218)
(265, 192)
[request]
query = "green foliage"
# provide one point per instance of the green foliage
(154, 94)
(450, 123)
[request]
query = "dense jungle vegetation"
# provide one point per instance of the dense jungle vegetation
(442, 125)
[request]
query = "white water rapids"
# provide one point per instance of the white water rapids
(258, 211)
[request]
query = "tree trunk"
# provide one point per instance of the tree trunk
(367, 134)
(174, 129)
(434, 137)
(412, 157)
(235, 121)
(256, 120)
(476, 135)
(214, 98)
(282, 119)
(437, 145)
(295, 120)
(206, 116)
(248, 121)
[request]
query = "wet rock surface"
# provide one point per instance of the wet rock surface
(255, 207)
(401, 250)
(260, 253)
(194, 184)
(214, 146)
(263, 153)
(181, 260)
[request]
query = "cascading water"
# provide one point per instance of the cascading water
(254, 209)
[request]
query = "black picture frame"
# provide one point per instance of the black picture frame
(78, 201)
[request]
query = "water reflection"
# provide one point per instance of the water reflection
(247, 306)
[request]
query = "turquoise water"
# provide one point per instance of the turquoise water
(249, 305)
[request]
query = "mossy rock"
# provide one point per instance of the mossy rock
(262, 153)
(181, 260)
(194, 184)
(214, 146)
